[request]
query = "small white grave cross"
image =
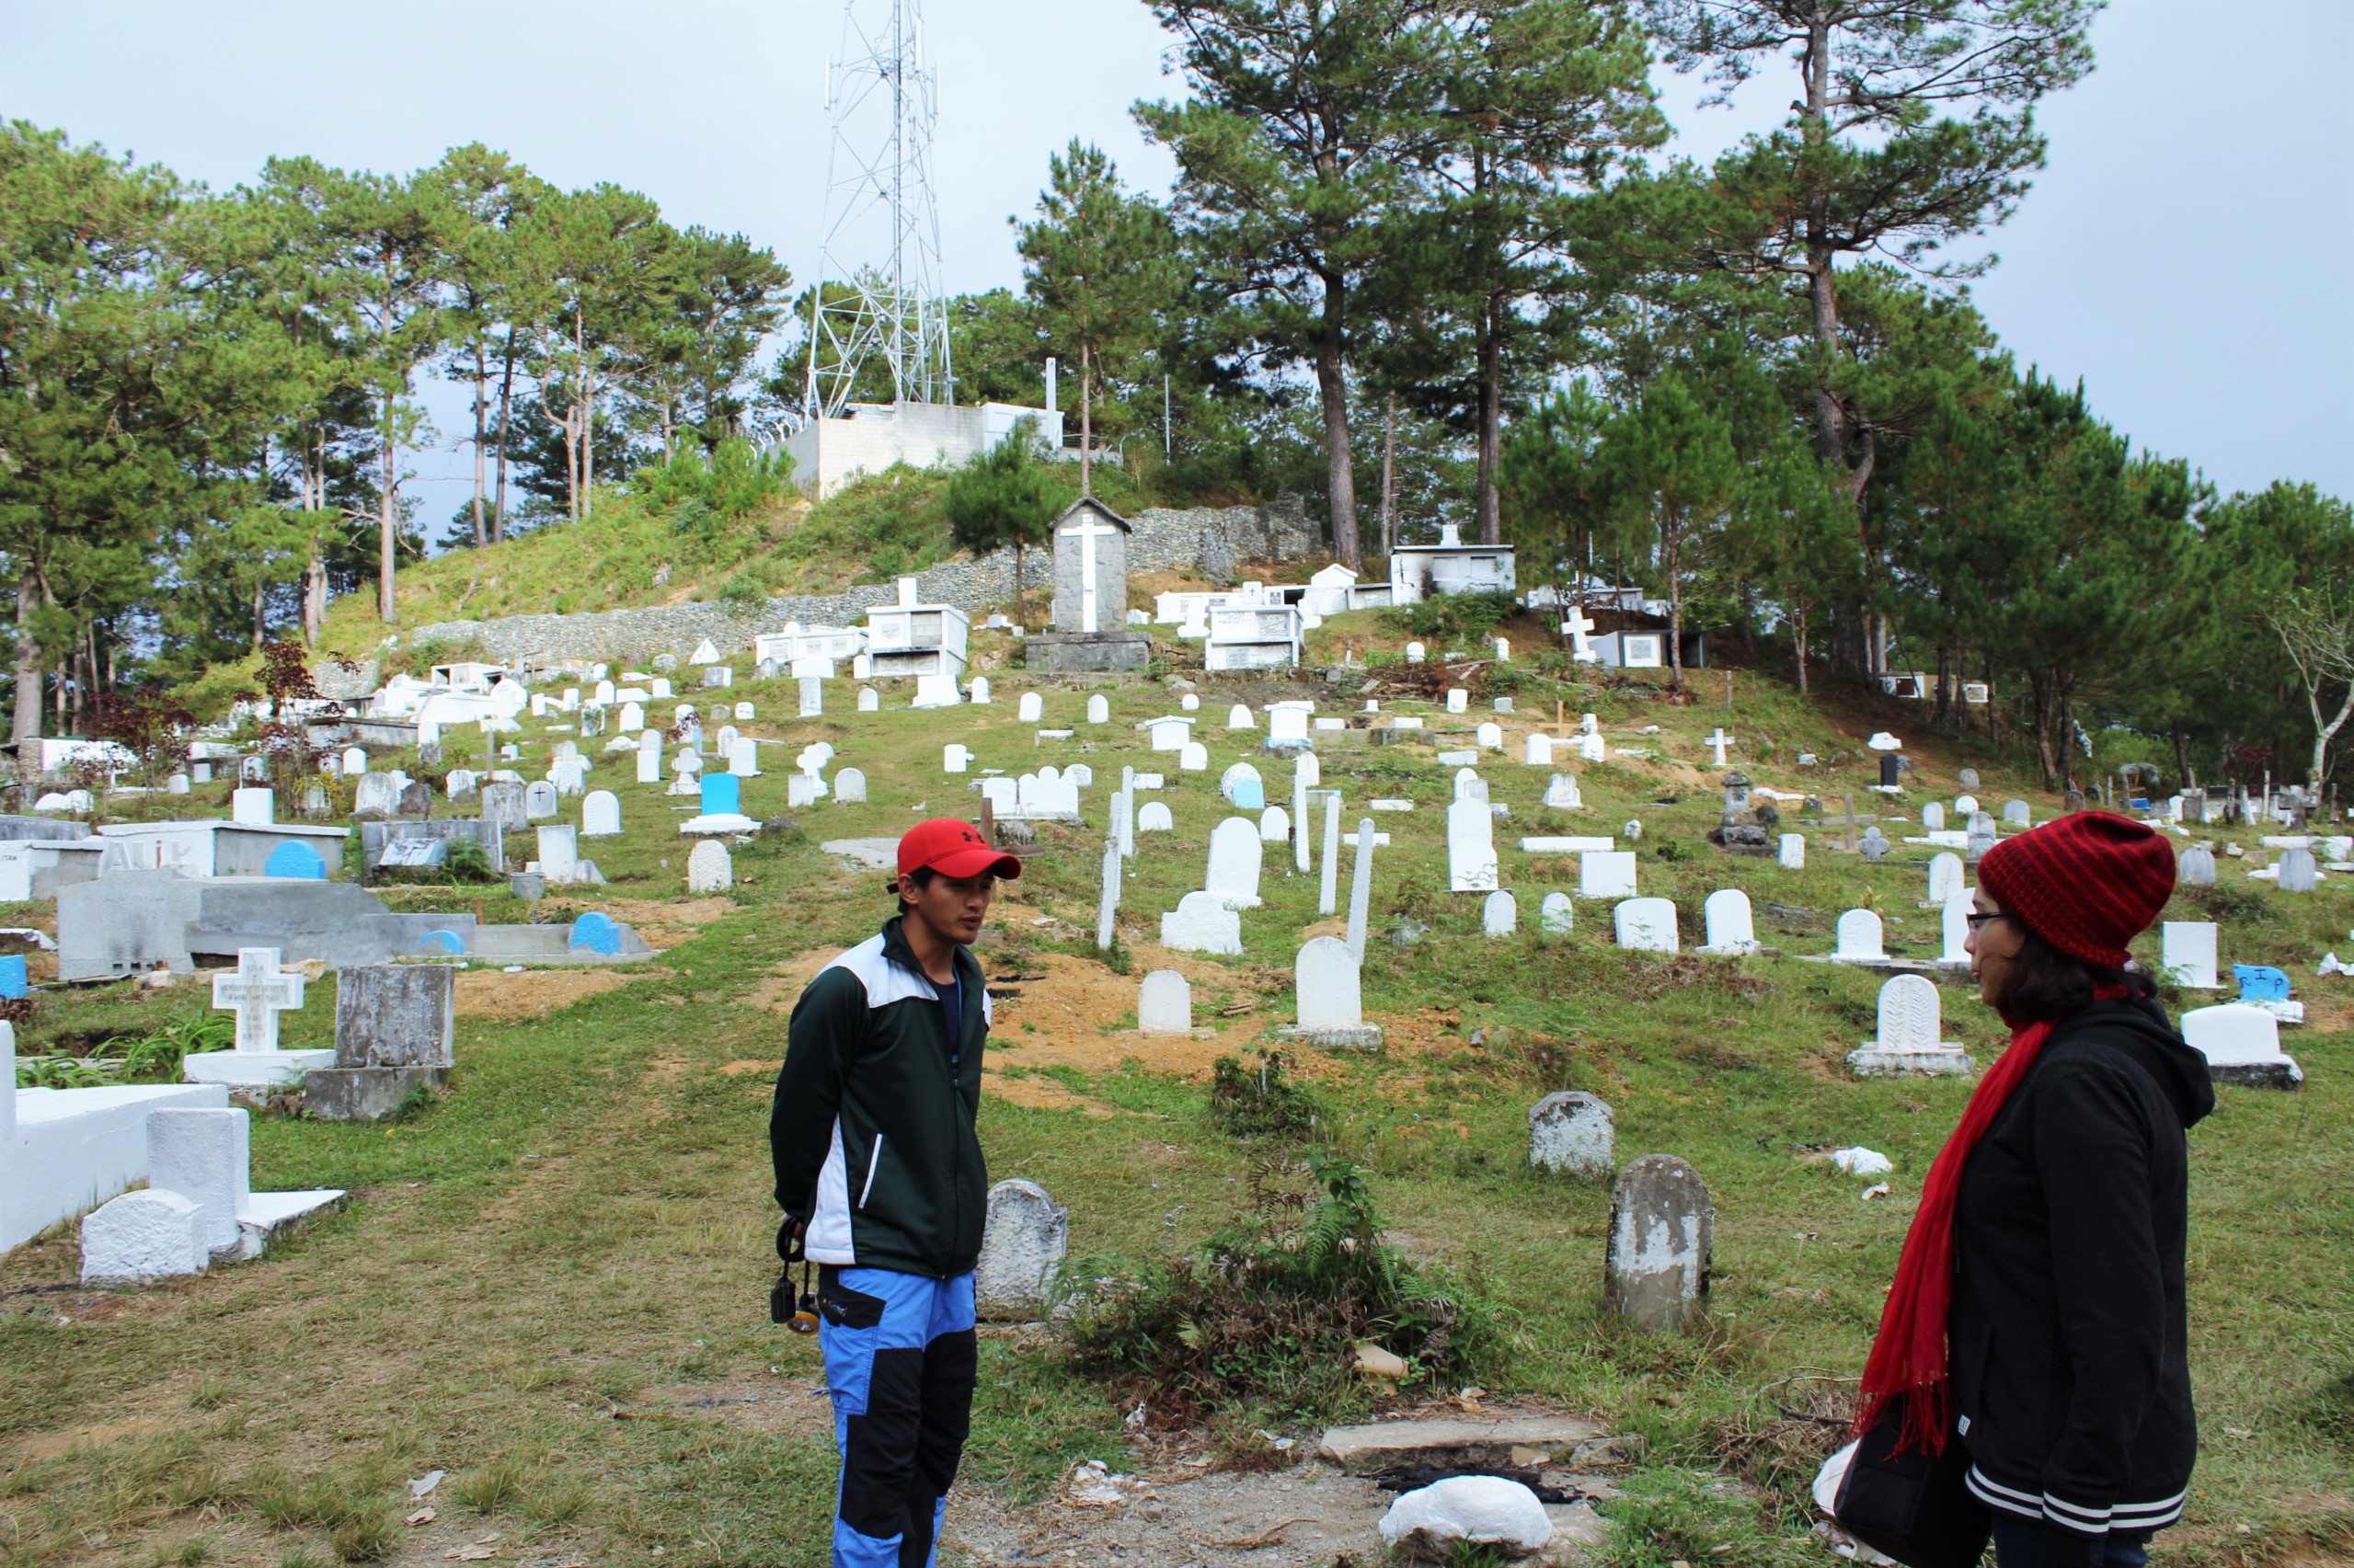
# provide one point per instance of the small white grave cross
(257, 992)
(1089, 529)
(1577, 623)
(1719, 740)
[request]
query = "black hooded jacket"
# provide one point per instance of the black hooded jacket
(2065, 1338)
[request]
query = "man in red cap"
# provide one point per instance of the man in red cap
(883, 1186)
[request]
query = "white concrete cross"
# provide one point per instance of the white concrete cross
(257, 992)
(1089, 529)
(1719, 740)
(1577, 623)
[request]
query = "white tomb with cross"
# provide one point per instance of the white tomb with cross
(258, 991)
(1580, 627)
(1719, 742)
(906, 639)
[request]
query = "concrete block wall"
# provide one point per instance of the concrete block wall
(1209, 542)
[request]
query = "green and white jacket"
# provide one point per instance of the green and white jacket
(872, 1130)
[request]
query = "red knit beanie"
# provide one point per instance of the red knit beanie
(2088, 883)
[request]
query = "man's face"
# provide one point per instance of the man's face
(952, 906)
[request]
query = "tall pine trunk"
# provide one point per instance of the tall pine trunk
(481, 382)
(1389, 478)
(506, 408)
(1332, 386)
(1491, 423)
(26, 728)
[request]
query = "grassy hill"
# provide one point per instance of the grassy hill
(551, 1282)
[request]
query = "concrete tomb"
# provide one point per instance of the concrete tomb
(1570, 1134)
(1663, 1230)
(1911, 1020)
(396, 1027)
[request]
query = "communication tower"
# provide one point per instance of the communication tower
(879, 297)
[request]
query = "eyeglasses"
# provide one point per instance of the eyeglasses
(1977, 922)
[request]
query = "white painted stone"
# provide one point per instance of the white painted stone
(1591, 749)
(1169, 732)
(354, 761)
(1794, 852)
(1189, 702)
(559, 852)
(1911, 1021)
(1287, 727)
(2186, 952)
(1031, 709)
(1098, 709)
(1731, 926)
(1489, 736)
(813, 697)
(1165, 1004)
(743, 713)
(850, 787)
(1469, 785)
(1235, 863)
(1458, 700)
(743, 758)
(205, 1157)
(253, 807)
(1646, 925)
(1860, 938)
(1414, 653)
(1540, 751)
(1239, 716)
(257, 990)
(2240, 1040)
(1275, 826)
(1567, 843)
(1945, 879)
(1606, 874)
(1953, 930)
(1478, 1509)
(539, 801)
(649, 757)
(869, 700)
(600, 815)
(1023, 1243)
(1471, 848)
(978, 691)
(1153, 817)
(142, 1236)
(1194, 758)
(1571, 1133)
(632, 719)
(709, 868)
(2297, 870)
(1326, 979)
(1557, 915)
(1500, 915)
(1561, 794)
(1203, 923)
(955, 758)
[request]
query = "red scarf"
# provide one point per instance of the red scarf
(1908, 1359)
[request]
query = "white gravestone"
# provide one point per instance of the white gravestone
(2241, 1045)
(1646, 925)
(2197, 867)
(1471, 848)
(1331, 1005)
(539, 801)
(650, 759)
(1557, 916)
(2186, 952)
(1858, 939)
(600, 815)
(954, 759)
(1239, 717)
(1153, 817)
(1361, 887)
(979, 691)
(1911, 1023)
(1953, 931)
(869, 700)
(1031, 709)
(2299, 872)
(252, 807)
(1023, 1243)
(1098, 709)
(1561, 794)
(2015, 813)
(1458, 700)
(850, 787)
(1235, 863)
(1500, 915)
(1489, 736)
(1194, 758)
(258, 991)
(709, 868)
(1570, 1134)
(1203, 923)
(1731, 926)
(1606, 874)
(813, 697)
(1945, 879)
(1287, 727)
(743, 758)
(1794, 852)
(1165, 1004)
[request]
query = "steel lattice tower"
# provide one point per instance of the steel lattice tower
(881, 102)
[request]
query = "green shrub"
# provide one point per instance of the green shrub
(1269, 1312)
(1261, 1100)
(1458, 618)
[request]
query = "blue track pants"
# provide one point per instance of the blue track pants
(901, 1359)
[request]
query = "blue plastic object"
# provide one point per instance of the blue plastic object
(295, 858)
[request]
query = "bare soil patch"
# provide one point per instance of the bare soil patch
(493, 993)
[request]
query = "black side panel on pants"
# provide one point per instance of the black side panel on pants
(878, 1460)
(951, 1367)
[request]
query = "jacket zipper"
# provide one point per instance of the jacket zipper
(873, 1163)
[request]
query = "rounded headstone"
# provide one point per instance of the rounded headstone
(1023, 1245)
(1571, 1133)
(1662, 1229)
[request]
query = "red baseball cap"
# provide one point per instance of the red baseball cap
(953, 848)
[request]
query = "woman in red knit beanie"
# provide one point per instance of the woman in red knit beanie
(2038, 1314)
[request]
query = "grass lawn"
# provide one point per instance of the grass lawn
(551, 1284)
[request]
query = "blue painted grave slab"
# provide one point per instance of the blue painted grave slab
(2260, 982)
(14, 981)
(444, 940)
(723, 795)
(596, 931)
(294, 859)
(1250, 795)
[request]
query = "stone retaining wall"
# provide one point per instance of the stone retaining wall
(1206, 542)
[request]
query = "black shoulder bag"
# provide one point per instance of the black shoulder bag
(1912, 1506)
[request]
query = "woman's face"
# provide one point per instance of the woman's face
(1992, 944)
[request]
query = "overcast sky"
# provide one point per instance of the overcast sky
(2186, 253)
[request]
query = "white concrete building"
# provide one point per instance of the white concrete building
(872, 437)
(910, 640)
(1449, 566)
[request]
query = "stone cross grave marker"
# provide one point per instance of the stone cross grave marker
(1580, 627)
(1023, 1243)
(1570, 1134)
(1662, 1229)
(1717, 742)
(258, 991)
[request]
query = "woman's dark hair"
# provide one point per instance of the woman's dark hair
(922, 875)
(2046, 985)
